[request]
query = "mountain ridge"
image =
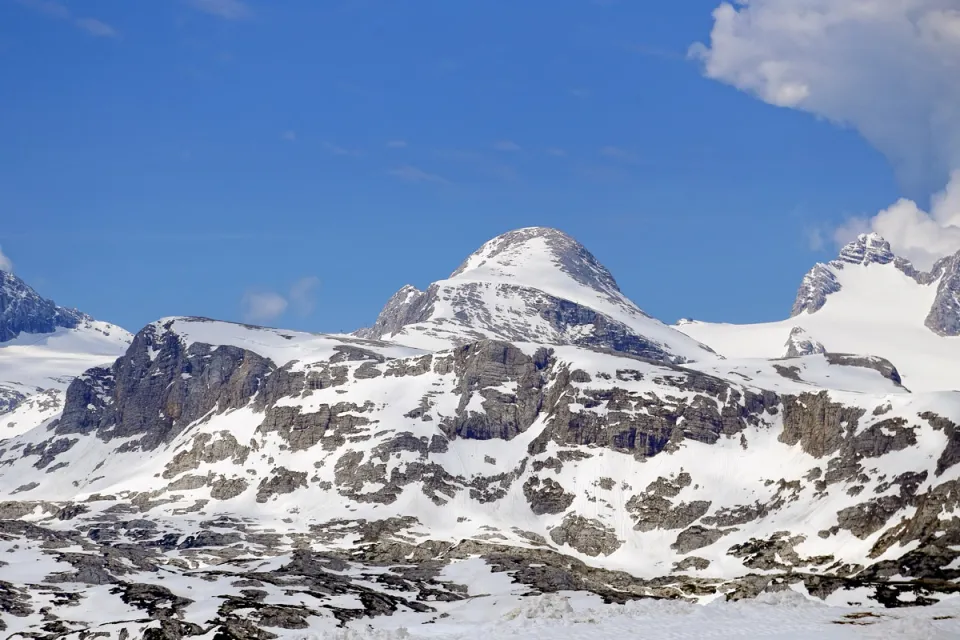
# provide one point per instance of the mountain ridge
(492, 425)
(534, 285)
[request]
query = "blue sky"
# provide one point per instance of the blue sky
(173, 157)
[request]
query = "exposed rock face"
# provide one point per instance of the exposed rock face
(869, 249)
(483, 369)
(645, 425)
(23, 310)
(817, 423)
(159, 387)
(589, 537)
(881, 365)
(814, 289)
(697, 537)
(944, 316)
(546, 496)
(407, 306)
(821, 281)
(800, 343)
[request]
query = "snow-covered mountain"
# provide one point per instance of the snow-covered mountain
(42, 348)
(867, 301)
(530, 285)
(520, 429)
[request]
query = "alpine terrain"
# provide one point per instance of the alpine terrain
(515, 450)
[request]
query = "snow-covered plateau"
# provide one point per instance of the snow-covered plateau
(517, 450)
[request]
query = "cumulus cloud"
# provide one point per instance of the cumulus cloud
(887, 68)
(5, 263)
(258, 306)
(262, 306)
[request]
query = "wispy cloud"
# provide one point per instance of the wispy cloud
(397, 144)
(262, 306)
(266, 306)
(96, 28)
(814, 238)
(226, 9)
(617, 153)
(506, 145)
(303, 295)
(289, 135)
(409, 173)
(60, 11)
(557, 152)
(341, 151)
(5, 263)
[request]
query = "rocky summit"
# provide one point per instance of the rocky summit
(517, 432)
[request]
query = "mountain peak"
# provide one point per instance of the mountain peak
(535, 285)
(23, 310)
(527, 256)
(866, 249)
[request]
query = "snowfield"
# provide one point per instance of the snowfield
(516, 452)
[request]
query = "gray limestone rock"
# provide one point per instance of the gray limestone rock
(280, 481)
(944, 316)
(697, 537)
(159, 387)
(589, 537)
(22, 310)
(800, 343)
(546, 496)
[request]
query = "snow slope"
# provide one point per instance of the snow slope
(522, 428)
(878, 310)
(36, 369)
(533, 285)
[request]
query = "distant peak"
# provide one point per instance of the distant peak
(531, 251)
(868, 248)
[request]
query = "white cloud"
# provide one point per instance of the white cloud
(5, 263)
(289, 136)
(410, 173)
(506, 145)
(888, 68)
(266, 306)
(303, 295)
(557, 152)
(262, 306)
(226, 9)
(397, 144)
(814, 237)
